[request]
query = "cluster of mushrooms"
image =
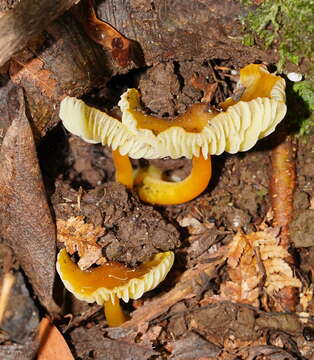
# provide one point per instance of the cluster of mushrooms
(196, 134)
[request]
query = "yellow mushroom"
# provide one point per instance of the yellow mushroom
(108, 283)
(198, 133)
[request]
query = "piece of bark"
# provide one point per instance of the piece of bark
(25, 220)
(165, 32)
(25, 20)
(68, 64)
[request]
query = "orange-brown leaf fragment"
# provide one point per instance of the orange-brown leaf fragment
(82, 238)
(257, 260)
(52, 345)
(34, 72)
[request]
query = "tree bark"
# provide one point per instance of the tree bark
(26, 19)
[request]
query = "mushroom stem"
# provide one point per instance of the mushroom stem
(124, 171)
(154, 190)
(114, 313)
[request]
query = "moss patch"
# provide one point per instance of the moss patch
(286, 24)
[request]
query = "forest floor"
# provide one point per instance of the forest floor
(203, 310)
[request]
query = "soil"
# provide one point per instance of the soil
(80, 181)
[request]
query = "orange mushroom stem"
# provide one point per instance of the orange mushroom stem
(124, 171)
(113, 312)
(107, 283)
(154, 190)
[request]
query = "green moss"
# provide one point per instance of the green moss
(288, 27)
(285, 24)
(305, 90)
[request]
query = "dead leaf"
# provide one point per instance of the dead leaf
(193, 347)
(82, 238)
(288, 323)
(34, 71)
(217, 322)
(257, 261)
(52, 345)
(264, 352)
(94, 341)
(25, 219)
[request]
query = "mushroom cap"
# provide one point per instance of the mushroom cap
(113, 280)
(238, 128)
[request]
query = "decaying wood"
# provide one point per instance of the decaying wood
(104, 34)
(26, 224)
(68, 63)
(25, 20)
(181, 30)
(185, 288)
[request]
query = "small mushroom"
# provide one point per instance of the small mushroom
(197, 134)
(108, 283)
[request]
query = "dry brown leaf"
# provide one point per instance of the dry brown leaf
(257, 260)
(34, 71)
(192, 346)
(82, 238)
(52, 345)
(25, 219)
(116, 344)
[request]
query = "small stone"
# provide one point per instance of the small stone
(294, 76)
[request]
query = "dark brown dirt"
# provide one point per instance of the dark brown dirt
(134, 232)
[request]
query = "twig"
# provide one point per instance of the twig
(282, 186)
(6, 286)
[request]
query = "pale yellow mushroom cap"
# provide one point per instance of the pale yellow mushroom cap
(113, 280)
(238, 128)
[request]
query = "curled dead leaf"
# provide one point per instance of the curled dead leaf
(82, 238)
